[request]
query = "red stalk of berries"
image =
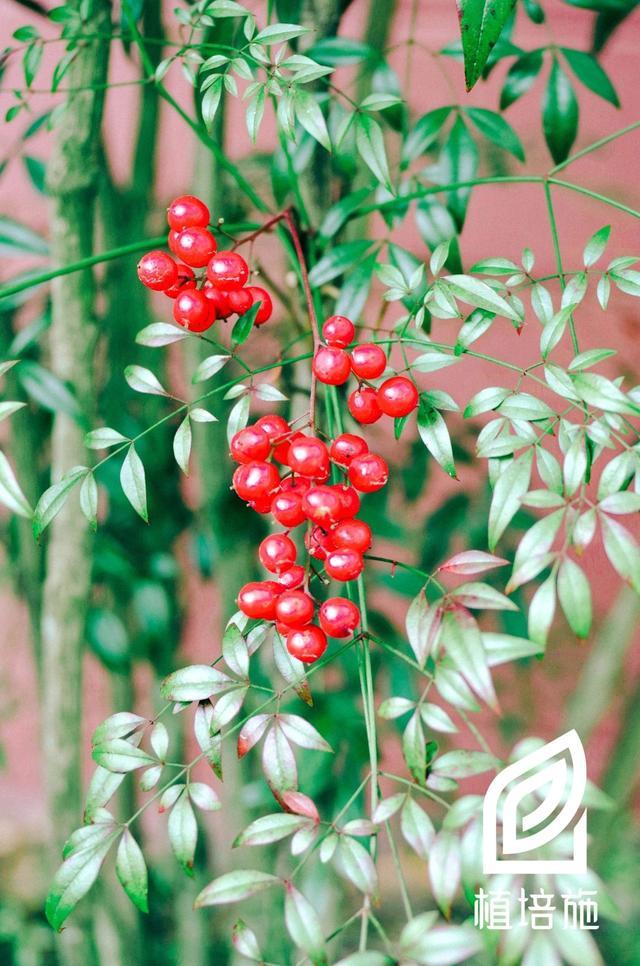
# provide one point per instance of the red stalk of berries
(201, 297)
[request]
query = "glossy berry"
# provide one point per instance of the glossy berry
(292, 578)
(349, 501)
(187, 212)
(251, 443)
(322, 505)
(363, 406)
(318, 543)
(368, 361)
(193, 311)
(262, 504)
(397, 396)
(287, 508)
(158, 271)
(254, 480)
(352, 535)
(228, 270)
(258, 599)
(338, 617)
(368, 473)
(309, 457)
(274, 426)
(307, 643)
(344, 564)
(277, 553)
(281, 451)
(172, 241)
(195, 246)
(331, 365)
(266, 305)
(346, 446)
(295, 608)
(186, 279)
(219, 300)
(338, 331)
(239, 299)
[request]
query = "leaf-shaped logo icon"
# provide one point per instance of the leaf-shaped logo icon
(550, 782)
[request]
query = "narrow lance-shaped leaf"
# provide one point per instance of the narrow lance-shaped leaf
(10, 493)
(235, 886)
(304, 925)
(559, 113)
(183, 832)
(435, 436)
(131, 870)
(74, 878)
(53, 499)
(133, 482)
(481, 23)
(370, 144)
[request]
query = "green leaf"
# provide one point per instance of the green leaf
(302, 733)
(589, 72)
(103, 438)
(463, 764)
(48, 390)
(458, 163)
(559, 114)
(245, 942)
(131, 870)
(74, 878)
(303, 925)
(234, 886)
(159, 334)
(520, 78)
(354, 862)
(444, 872)
(10, 493)
(485, 401)
(596, 245)
(542, 610)
(416, 827)
(423, 134)
(53, 499)
(574, 595)
(479, 294)
(338, 260)
(277, 33)
(496, 129)
(522, 405)
(132, 480)
(622, 551)
(89, 499)
(243, 326)
(510, 487)
(480, 596)
(501, 648)
(370, 145)
(278, 762)
(18, 240)
(414, 748)
(183, 832)
(182, 444)
(310, 116)
(195, 683)
(338, 51)
(120, 756)
(435, 436)
(463, 641)
(340, 212)
(143, 380)
(102, 787)
(270, 828)
(598, 391)
(481, 23)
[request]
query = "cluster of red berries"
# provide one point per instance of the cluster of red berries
(332, 364)
(334, 534)
(218, 292)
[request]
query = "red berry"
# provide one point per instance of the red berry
(281, 451)
(195, 246)
(239, 299)
(352, 535)
(292, 578)
(339, 617)
(258, 599)
(158, 271)
(172, 241)
(368, 472)
(307, 643)
(297, 483)
(274, 426)
(186, 279)
(283, 629)
(251, 443)
(368, 361)
(277, 553)
(349, 501)
(397, 396)
(344, 564)
(219, 301)
(187, 212)
(228, 270)
(346, 446)
(295, 608)
(309, 457)
(262, 504)
(332, 366)
(318, 543)
(266, 308)
(287, 509)
(254, 480)
(338, 331)
(322, 505)
(193, 311)
(363, 405)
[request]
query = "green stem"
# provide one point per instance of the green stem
(600, 143)
(556, 247)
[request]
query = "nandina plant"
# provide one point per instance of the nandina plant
(556, 439)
